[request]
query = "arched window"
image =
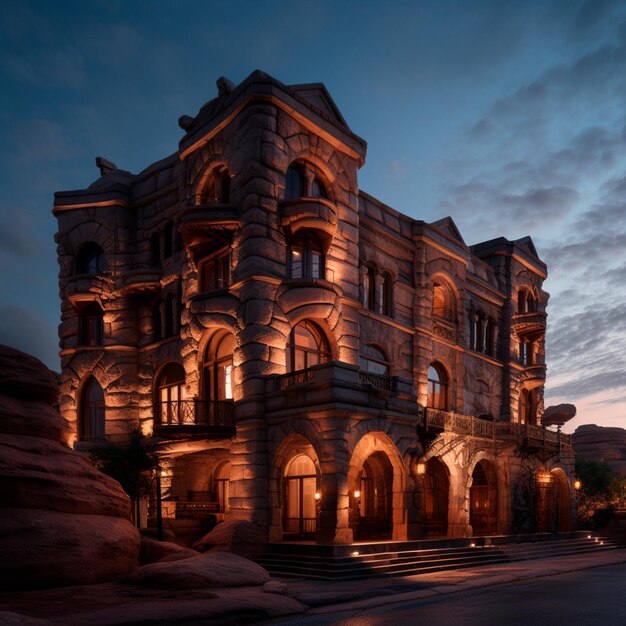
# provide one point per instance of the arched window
(216, 272)
(443, 305)
(525, 351)
(300, 488)
(92, 417)
(307, 347)
(527, 407)
(91, 325)
(218, 367)
(385, 294)
(222, 482)
(295, 182)
(437, 387)
(526, 302)
(369, 291)
(90, 259)
(217, 189)
(170, 396)
(374, 360)
(318, 190)
(306, 255)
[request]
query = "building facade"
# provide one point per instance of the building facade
(306, 357)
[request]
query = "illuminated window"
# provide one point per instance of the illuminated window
(527, 407)
(295, 182)
(92, 412)
(437, 387)
(300, 487)
(216, 273)
(170, 396)
(374, 360)
(222, 483)
(90, 259)
(91, 325)
(526, 352)
(218, 367)
(443, 305)
(217, 189)
(306, 256)
(307, 347)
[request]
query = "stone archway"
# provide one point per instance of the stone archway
(295, 477)
(374, 502)
(376, 481)
(558, 510)
(484, 499)
(436, 498)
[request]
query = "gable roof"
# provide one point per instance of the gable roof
(447, 225)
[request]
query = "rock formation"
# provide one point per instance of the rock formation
(602, 443)
(214, 569)
(62, 522)
(237, 536)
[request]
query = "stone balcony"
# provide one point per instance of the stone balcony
(204, 222)
(194, 417)
(436, 421)
(137, 281)
(342, 386)
(316, 213)
(533, 322)
(83, 286)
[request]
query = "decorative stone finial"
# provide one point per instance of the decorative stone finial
(105, 166)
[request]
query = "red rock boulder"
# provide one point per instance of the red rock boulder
(62, 522)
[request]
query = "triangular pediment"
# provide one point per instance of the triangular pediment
(526, 243)
(447, 225)
(317, 95)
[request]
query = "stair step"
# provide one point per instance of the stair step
(412, 560)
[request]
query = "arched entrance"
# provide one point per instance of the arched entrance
(374, 498)
(300, 487)
(484, 499)
(558, 505)
(222, 482)
(436, 490)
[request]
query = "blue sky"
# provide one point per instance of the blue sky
(508, 116)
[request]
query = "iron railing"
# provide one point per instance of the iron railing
(437, 419)
(195, 412)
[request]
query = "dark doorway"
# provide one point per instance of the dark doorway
(436, 489)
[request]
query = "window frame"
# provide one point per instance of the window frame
(322, 352)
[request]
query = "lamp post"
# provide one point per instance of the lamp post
(159, 513)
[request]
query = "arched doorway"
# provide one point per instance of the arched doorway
(558, 505)
(436, 490)
(91, 426)
(484, 499)
(300, 487)
(374, 498)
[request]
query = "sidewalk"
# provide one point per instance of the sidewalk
(125, 604)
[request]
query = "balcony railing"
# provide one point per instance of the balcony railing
(378, 381)
(211, 413)
(438, 420)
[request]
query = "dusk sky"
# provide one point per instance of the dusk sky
(508, 116)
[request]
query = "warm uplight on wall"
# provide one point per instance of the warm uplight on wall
(420, 468)
(544, 478)
(357, 494)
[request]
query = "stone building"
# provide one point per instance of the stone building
(306, 357)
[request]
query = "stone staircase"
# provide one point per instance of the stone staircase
(301, 560)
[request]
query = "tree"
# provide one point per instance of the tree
(603, 490)
(132, 464)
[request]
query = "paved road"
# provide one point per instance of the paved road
(588, 597)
